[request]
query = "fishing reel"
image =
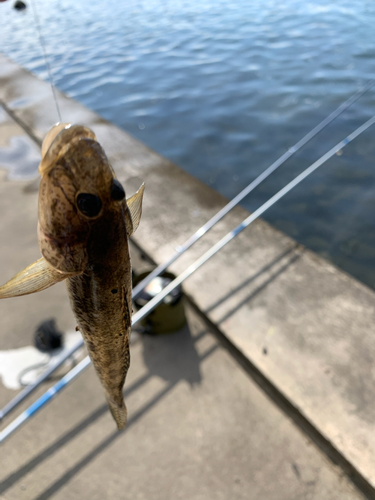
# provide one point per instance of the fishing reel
(169, 315)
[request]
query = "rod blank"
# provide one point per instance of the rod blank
(53, 391)
(248, 189)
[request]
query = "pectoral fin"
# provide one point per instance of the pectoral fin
(33, 278)
(135, 209)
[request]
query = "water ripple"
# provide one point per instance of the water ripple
(223, 89)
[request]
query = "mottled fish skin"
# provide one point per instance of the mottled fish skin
(102, 304)
(101, 295)
(83, 230)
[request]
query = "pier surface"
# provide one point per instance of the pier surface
(268, 393)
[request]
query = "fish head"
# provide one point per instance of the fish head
(78, 188)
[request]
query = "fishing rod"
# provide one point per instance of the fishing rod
(193, 239)
(237, 199)
(61, 384)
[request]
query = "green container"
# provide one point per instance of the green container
(167, 317)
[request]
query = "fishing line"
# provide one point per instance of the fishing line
(139, 315)
(195, 237)
(41, 40)
(217, 217)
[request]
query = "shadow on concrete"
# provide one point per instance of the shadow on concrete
(25, 469)
(172, 357)
(293, 257)
(252, 278)
(70, 473)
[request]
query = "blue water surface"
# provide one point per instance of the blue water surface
(223, 89)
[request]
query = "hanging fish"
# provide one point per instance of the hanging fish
(83, 231)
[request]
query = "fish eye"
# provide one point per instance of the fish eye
(117, 191)
(89, 204)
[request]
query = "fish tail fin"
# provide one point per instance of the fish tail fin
(119, 413)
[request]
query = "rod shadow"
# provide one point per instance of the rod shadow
(293, 258)
(264, 269)
(172, 357)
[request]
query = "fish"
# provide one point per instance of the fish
(84, 225)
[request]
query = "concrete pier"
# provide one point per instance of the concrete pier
(270, 392)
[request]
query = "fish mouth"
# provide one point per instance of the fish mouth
(58, 140)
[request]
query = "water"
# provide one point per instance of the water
(223, 89)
